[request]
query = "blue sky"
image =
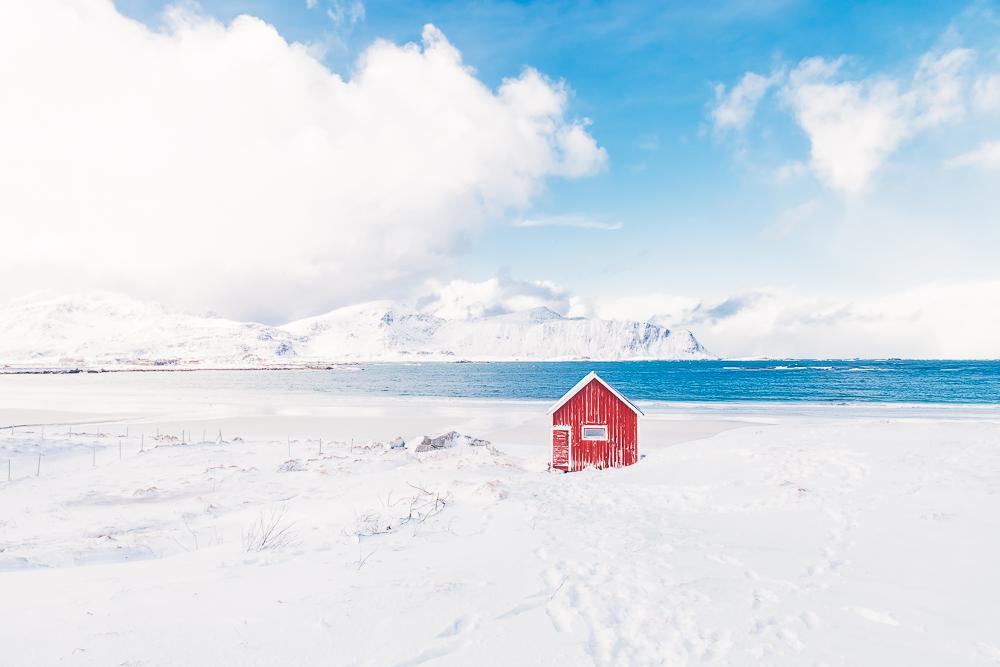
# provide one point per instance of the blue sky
(696, 208)
(822, 166)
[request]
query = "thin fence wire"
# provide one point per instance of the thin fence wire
(67, 451)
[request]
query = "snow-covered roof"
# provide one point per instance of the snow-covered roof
(592, 375)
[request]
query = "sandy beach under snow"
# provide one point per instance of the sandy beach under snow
(753, 533)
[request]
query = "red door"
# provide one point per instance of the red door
(560, 447)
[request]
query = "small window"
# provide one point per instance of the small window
(594, 432)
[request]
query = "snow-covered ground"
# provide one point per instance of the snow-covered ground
(748, 534)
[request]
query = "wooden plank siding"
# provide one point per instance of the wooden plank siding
(595, 404)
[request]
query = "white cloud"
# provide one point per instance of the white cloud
(218, 166)
(345, 15)
(855, 125)
(794, 218)
(734, 108)
(580, 221)
(938, 320)
(463, 299)
(641, 306)
(790, 171)
(986, 93)
(986, 156)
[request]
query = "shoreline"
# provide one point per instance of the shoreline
(318, 411)
(46, 387)
(319, 365)
(781, 385)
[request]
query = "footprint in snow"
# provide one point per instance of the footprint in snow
(874, 616)
(460, 625)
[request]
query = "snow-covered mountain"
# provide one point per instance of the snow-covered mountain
(388, 331)
(112, 331)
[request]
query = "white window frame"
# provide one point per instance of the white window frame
(584, 427)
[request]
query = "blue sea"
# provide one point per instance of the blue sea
(885, 381)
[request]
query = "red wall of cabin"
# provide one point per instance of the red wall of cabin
(595, 404)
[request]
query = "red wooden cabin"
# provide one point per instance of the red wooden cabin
(594, 425)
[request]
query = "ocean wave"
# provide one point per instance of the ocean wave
(756, 369)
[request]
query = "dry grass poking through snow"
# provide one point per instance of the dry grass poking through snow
(270, 531)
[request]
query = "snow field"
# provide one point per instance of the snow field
(806, 540)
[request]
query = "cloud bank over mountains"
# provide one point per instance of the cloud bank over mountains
(931, 321)
(500, 295)
(219, 166)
